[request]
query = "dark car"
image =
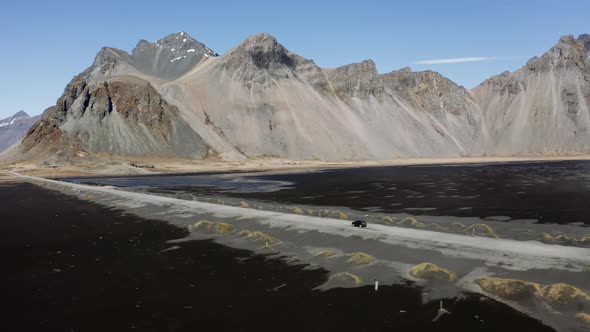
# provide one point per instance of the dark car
(359, 223)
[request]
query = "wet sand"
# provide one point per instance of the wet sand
(72, 265)
(543, 192)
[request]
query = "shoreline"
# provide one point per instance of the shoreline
(121, 167)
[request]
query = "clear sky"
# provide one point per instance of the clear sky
(46, 43)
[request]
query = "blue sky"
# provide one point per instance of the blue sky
(46, 43)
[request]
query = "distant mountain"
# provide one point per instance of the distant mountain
(176, 98)
(14, 128)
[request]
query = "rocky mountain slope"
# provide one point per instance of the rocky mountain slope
(14, 128)
(177, 98)
(260, 99)
(542, 108)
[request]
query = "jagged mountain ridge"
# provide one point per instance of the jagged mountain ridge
(541, 108)
(276, 103)
(259, 100)
(14, 128)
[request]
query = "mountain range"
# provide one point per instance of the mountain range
(177, 98)
(14, 128)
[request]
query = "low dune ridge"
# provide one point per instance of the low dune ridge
(432, 272)
(360, 258)
(559, 296)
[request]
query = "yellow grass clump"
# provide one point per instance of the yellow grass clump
(481, 229)
(259, 236)
(558, 296)
(583, 317)
(409, 221)
(510, 289)
(558, 238)
(585, 239)
(360, 258)
(340, 215)
(562, 295)
(244, 204)
(389, 220)
(325, 253)
(88, 197)
(297, 210)
(456, 226)
(220, 228)
(219, 201)
(346, 277)
(432, 272)
(333, 214)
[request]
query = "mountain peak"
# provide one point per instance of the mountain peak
(176, 38)
(20, 113)
(262, 38)
(265, 52)
(167, 58)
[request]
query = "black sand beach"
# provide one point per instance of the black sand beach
(71, 265)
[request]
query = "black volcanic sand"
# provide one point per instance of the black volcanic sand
(550, 192)
(70, 265)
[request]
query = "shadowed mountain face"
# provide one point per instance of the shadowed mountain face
(119, 116)
(177, 98)
(14, 128)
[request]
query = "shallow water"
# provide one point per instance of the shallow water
(547, 192)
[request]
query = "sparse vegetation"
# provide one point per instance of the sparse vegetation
(259, 236)
(481, 230)
(409, 221)
(219, 228)
(583, 317)
(510, 289)
(336, 214)
(346, 277)
(297, 210)
(432, 272)
(558, 296)
(360, 258)
(389, 220)
(325, 253)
